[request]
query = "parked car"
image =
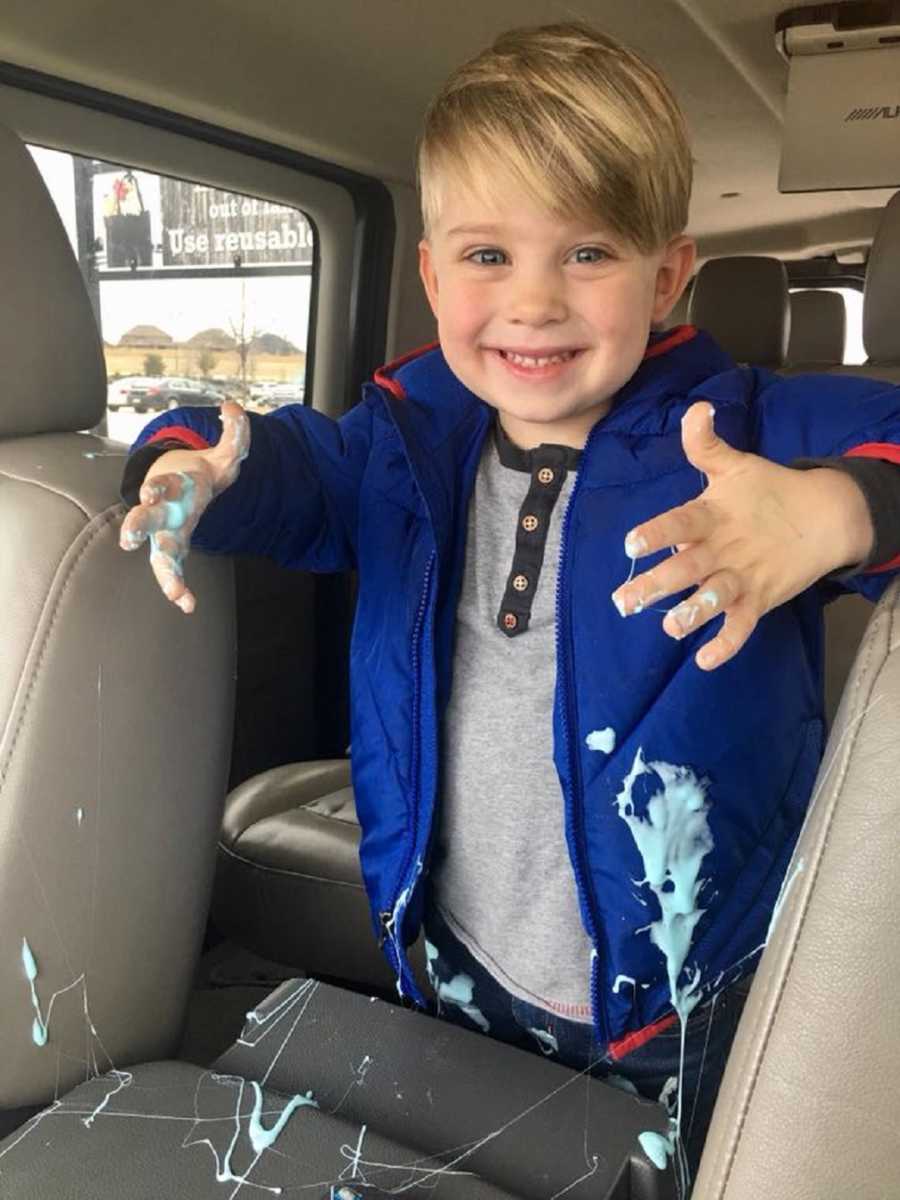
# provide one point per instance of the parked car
(173, 393)
(155, 394)
(130, 391)
(261, 390)
(285, 393)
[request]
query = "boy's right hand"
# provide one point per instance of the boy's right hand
(174, 495)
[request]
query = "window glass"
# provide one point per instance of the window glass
(199, 293)
(854, 351)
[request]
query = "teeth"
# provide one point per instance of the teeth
(523, 360)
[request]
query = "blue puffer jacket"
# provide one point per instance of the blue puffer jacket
(386, 490)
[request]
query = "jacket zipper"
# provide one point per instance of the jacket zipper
(392, 920)
(567, 724)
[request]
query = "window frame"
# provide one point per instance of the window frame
(824, 273)
(352, 214)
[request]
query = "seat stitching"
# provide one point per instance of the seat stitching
(311, 812)
(39, 483)
(100, 522)
(248, 862)
(782, 982)
(352, 822)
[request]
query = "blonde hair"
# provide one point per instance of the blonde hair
(581, 122)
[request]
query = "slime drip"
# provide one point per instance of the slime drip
(394, 924)
(260, 1137)
(546, 1041)
(672, 839)
(39, 1026)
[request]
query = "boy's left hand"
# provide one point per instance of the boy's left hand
(758, 536)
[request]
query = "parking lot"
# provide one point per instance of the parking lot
(125, 424)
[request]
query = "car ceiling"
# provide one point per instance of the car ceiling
(348, 80)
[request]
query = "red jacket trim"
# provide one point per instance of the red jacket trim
(631, 1041)
(888, 452)
(678, 336)
(382, 377)
(190, 438)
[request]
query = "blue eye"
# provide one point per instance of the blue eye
(599, 255)
(493, 258)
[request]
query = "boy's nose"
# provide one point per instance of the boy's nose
(536, 302)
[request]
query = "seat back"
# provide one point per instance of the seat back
(742, 301)
(813, 1081)
(115, 709)
(818, 328)
(881, 297)
(808, 1104)
(846, 619)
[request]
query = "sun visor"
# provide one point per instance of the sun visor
(842, 120)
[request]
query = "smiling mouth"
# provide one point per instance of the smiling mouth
(536, 361)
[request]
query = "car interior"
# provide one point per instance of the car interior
(193, 1001)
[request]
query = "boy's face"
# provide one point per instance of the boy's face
(511, 284)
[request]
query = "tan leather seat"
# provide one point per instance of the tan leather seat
(288, 881)
(114, 709)
(808, 1107)
(818, 328)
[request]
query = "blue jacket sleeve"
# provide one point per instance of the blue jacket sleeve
(296, 499)
(817, 416)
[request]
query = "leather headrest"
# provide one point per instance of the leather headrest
(818, 327)
(881, 300)
(742, 301)
(54, 378)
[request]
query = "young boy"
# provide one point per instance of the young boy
(593, 817)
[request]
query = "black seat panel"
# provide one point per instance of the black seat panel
(403, 1104)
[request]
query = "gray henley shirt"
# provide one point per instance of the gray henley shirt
(502, 876)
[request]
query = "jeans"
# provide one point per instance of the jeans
(467, 995)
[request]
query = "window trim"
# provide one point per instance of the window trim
(373, 222)
(824, 273)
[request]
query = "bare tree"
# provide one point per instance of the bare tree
(243, 338)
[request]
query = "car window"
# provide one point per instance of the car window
(854, 350)
(199, 293)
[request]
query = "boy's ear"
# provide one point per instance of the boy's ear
(673, 274)
(428, 274)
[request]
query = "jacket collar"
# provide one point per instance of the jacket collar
(430, 406)
(674, 364)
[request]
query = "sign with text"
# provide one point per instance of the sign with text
(180, 224)
(205, 227)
